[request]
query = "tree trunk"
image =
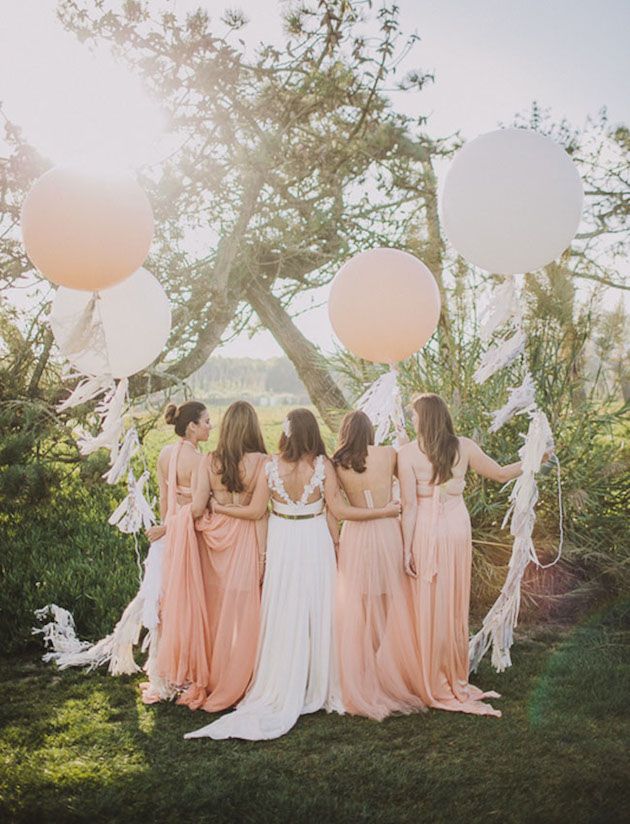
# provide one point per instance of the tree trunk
(307, 359)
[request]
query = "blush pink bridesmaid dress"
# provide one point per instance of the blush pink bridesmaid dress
(378, 661)
(229, 548)
(210, 605)
(442, 551)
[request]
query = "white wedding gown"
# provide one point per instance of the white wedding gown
(295, 668)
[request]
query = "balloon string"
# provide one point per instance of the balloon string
(561, 517)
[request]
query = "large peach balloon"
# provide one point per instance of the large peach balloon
(86, 230)
(384, 305)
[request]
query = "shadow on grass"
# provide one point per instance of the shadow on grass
(77, 747)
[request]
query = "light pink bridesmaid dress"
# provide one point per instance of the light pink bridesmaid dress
(442, 551)
(185, 641)
(378, 660)
(229, 549)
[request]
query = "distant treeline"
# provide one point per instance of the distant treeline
(223, 380)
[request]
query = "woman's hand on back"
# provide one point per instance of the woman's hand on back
(409, 565)
(154, 533)
(391, 510)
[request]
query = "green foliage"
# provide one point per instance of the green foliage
(82, 747)
(65, 552)
(60, 548)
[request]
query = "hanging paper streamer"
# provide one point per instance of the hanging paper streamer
(500, 356)
(382, 403)
(86, 390)
(497, 630)
(130, 445)
(134, 512)
(504, 307)
(116, 649)
(521, 399)
(110, 411)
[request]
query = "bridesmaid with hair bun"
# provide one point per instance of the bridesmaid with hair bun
(168, 571)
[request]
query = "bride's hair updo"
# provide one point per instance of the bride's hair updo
(355, 435)
(304, 438)
(180, 416)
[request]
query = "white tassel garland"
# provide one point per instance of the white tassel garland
(500, 356)
(382, 403)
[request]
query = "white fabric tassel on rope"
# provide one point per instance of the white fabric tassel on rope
(134, 511)
(111, 426)
(130, 446)
(85, 330)
(505, 305)
(521, 399)
(498, 625)
(115, 649)
(500, 356)
(382, 403)
(86, 390)
(60, 633)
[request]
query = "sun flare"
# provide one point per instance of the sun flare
(77, 106)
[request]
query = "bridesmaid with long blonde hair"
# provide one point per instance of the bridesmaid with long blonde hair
(233, 550)
(378, 660)
(438, 551)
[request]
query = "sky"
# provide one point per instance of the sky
(491, 59)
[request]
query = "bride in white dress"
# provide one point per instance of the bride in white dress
(295, 668)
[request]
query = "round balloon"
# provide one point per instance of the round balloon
(118, 332)
(86, 230)
(512, 201)
(384, 305)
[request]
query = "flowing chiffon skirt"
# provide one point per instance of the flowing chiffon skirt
(378, 658)
(185, 640)
(229, 548)
(295, 670)
(442, 549)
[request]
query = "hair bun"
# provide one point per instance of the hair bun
(170, 413)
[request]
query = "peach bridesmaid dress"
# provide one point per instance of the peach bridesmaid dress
(442, 551)
(228, 548)
(185, 642)
(378, 660)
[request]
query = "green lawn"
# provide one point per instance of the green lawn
(79, 747)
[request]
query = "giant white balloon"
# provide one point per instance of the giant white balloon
(126, 331)
(512, 201)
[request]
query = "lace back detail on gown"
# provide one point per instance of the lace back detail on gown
(276, 483)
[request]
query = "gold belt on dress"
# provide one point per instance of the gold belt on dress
(297, 517)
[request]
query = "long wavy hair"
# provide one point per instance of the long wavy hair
(356, 434)
(305, 438)
(436, 435)
(240, 433)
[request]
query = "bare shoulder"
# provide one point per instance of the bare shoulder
(407, 452)
(261, 459)
(466, 444)
(381, 450)
(164, 456)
